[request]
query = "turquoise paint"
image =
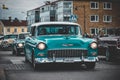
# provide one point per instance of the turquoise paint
(56, 42)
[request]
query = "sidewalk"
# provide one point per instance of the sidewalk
(2, 74)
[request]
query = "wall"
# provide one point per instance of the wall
(84, 13)
(12, 29)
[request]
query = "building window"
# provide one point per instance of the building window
(94, 18)
(94, 5)
(2, 30)
(67, 4)
(43, 9)
(107, 18)
(66, 19)
(94, 31)
(22, 30)
(15, 29)
(107, 5)
(8, 29)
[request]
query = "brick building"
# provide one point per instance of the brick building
(92, 15)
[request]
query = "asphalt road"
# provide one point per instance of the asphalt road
(17, 69)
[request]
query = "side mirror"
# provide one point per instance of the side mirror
(86, 35)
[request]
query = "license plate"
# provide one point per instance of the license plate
(68, 60)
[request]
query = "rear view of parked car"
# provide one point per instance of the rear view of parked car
(59, 42)
(109, 46)
(1, 39)
(18, 45)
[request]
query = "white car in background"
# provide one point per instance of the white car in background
(8, 41)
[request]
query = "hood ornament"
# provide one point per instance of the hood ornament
(66, 45)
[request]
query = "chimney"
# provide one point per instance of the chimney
(10, 18)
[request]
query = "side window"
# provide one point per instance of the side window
(15, 29)
(33, 31)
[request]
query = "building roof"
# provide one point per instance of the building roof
(14, 22)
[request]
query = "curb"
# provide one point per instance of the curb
(2, 74)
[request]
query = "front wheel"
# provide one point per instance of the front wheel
(109, 56)
(26, 60)
(90, 65)
(17, 53)
(13, 51)
(33, 62)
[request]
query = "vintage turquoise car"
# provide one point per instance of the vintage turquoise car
(59, 42)
(18, 45)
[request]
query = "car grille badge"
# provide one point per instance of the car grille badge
(67, 45)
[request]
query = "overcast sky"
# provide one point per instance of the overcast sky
(18, 8)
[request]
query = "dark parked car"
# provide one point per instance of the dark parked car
(109, 46)
(18, 45)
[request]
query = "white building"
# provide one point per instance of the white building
(64, 9)
(33, 16)
(59, 10)
(47, 12)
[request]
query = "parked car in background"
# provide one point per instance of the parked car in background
(18, 45)
(59, 42)
(109, 46)
(8, 41)
(1, 39)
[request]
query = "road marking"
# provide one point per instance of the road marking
(17, 67)
(17, 61)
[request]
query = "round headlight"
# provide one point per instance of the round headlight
(93, 45)
(20, 44)
(41, 46)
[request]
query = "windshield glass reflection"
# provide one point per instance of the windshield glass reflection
(58, 30)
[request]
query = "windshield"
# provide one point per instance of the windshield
(10, 36)
(58, 30)
(106, 32)
(23, 36)
(114, 31)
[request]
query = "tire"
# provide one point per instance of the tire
(35, 66)
(90, 65)
(16, 51)
(13, 51)
(109, 56)
(26, 60)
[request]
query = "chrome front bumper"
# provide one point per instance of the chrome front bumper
(66, 60)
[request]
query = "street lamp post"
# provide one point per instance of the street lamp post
(2, 9)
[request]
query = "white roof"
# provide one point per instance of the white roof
(48, 23)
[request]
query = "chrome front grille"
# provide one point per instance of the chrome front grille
(66, 53)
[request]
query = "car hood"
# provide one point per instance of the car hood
(53, 42)
(21, 41)
(9, 40)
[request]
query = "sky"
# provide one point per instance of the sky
(18, 8)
